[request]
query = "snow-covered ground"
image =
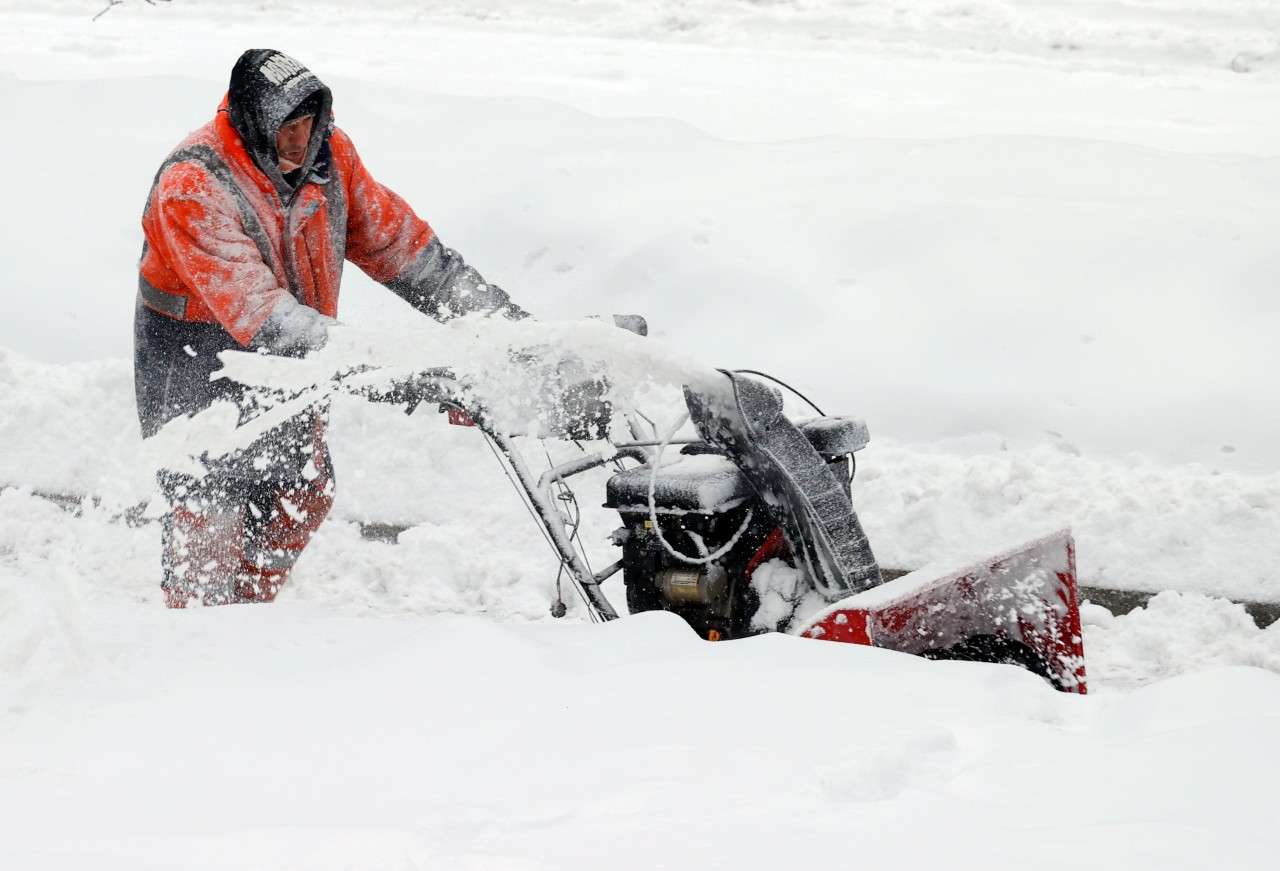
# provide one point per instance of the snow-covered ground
(1032, 243)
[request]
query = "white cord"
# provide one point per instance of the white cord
(653, 511)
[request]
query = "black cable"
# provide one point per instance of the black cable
(558, 608)
(567, 496)
(545, 535)
(523, 498)
(575, 524)
(821, 413)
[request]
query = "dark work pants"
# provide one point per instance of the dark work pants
(233, 534)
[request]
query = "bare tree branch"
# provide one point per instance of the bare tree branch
(113, 3)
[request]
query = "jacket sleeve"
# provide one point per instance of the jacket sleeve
(197, 227)
(399, 250)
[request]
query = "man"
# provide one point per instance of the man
(246, 229)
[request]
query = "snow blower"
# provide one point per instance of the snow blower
(750, 528)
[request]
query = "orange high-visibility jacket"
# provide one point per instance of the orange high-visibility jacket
(223, 246)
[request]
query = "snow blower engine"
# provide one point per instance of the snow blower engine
(695, 532)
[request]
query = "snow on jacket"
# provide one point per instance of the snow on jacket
(225, 245)
(236, 255)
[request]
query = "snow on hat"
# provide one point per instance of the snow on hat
(309, 106)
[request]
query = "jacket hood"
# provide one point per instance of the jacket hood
(266, 86)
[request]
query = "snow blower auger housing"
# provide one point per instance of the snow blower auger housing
(751, 528)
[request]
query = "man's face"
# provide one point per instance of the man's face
(291, 142)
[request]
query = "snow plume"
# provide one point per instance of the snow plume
(521, 374)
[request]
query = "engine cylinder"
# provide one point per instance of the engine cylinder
(692, 585)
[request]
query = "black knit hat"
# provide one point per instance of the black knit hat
(267, 87)
(309, 106)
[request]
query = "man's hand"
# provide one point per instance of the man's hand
(293, 331)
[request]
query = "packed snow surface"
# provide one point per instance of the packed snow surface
(1032, 243)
